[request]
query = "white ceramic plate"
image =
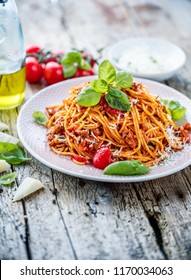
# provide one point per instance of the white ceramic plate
(150, 58)
(33, 136)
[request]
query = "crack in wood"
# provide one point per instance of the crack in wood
(14, 224)
(55, 193)
(27, 233)
(93, 211)
(154, 225)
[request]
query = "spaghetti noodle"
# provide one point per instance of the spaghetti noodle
(145, 133)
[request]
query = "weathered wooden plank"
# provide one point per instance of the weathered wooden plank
(12, 228)
(32, 228)
(12, 218)
(168, 204)
(43, 24)
(48, 238)
(105, 221)
(95, 24)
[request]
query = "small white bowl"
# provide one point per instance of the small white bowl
(150, 58)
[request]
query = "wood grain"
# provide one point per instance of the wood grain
(80, 219)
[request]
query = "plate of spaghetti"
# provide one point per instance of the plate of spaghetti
(73, 134)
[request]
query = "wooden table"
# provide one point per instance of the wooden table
(80, 219)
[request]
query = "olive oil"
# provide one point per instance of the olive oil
(12, 56)
(12, 87)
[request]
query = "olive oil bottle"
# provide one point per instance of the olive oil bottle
(12, 56)
(12, 87)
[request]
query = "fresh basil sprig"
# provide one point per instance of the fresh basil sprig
(108, 82)
(40, 118)
(88, 97)
(71, 61)
(12, 153)
(127, 168)
(117, 99)
(124, 79)
(99, 85)
(69, 70)
(177, 111)
(106, 72)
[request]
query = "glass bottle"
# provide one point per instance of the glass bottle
(12, 56)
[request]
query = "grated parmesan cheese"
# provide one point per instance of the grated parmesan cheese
(170, 133)
(112, 125)
(61, 117)
(108, 144)
(118, 118)
(134, 101)
(94, 135)
(169, 117)
(172, 158)
(90, 141)
(117, 152)
(60, 138)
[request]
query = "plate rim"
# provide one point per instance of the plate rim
(105, 178)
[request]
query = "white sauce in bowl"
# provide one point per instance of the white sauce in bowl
(145, 60)
(147, 57)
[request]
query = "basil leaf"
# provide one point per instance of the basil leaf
(118, 93)
(124, 79)
(173, 105)
(99, 85)
(106, 72)
(164, 102)
(177, 111)
(84, 64)
(39, 118)
(88, 97)
(71, 58)
(12, 153)
(126, 167)
(69, 70)
(8, 178)
(117, 99)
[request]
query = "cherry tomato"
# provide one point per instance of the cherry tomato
(102, 157)
(43, 66)
(50, 59)
(33, 49)
(53, 72)
(81, 73)
(89, 57)
(34, 70)
(79, 159)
